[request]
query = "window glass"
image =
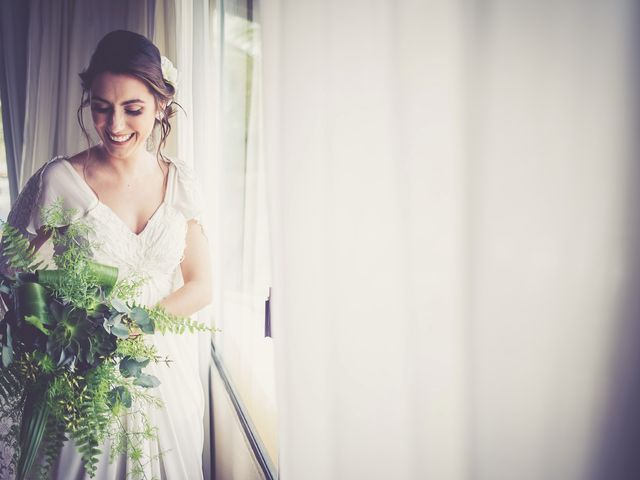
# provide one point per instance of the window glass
(246, 352)
(5, 196)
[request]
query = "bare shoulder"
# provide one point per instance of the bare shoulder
(85, 162)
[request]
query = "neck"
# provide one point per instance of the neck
(132, 166)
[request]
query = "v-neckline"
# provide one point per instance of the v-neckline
(90, 191)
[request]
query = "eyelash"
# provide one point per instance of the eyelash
(130, 112)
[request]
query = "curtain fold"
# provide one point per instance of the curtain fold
(61, 37)
(451, 189)
(184, 34)
(14, 20)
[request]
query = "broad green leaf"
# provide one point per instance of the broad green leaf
(106, 275)
(146, 381)
(148, 328)
(120, 306)
(130, 367)
(142, 319)
(139, 315)
(120, 330)
(37, 323)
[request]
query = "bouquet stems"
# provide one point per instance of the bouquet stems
(32, 428)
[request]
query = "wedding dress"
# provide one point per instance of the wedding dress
(154, 253)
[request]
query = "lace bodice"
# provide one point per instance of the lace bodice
(155, 253)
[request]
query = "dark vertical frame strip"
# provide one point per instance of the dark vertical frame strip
(257, 447)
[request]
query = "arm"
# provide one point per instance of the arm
(196, 292)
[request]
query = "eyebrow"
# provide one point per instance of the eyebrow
(135, 100)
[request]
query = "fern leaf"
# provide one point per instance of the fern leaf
(18, 251)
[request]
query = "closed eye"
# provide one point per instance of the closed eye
(104, 110)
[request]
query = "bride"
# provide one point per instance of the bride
(145, 210)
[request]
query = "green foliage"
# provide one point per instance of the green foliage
(68, 335)
(168, 322)
(54, 438)
(130, 439)
(33, 427)
(55, 216)
(128, 288)
(18, 251)
(80, 285)
(135, 347)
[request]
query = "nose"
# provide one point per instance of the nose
(116, 121)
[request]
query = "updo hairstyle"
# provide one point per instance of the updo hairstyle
(125, 52)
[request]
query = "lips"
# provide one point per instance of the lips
(119, 139)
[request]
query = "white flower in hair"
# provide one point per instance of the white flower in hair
(169, 72)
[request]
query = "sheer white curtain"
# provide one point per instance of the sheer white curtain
(184, 33)
(452, 187)
(62, 36)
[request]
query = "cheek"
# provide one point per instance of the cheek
(144, 123)
(98, 119)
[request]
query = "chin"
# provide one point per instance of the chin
(120, 151)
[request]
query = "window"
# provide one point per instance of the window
(245, 350)
(5, 195)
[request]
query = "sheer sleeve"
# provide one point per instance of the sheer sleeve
(187, 194)
(21, 210)
(56, 184)
(46, 185)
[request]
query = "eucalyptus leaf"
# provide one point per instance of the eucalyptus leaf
(142, 319)
(120, 330)
(146, 381)
(120, 306)
(130, 367)
(139, 315)
(125, 398)
(148, 328)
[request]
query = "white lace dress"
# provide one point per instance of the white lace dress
(155, 253)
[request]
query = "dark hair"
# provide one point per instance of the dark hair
(122, 51)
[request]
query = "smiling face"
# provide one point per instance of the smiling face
(124, 112)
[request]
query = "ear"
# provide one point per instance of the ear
(160, 110)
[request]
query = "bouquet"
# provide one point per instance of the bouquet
(73, 350)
